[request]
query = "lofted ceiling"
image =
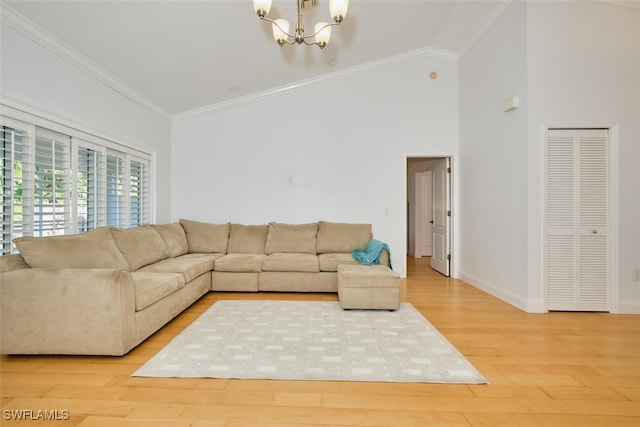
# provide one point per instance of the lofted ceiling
(178, 56)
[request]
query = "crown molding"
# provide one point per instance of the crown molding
(485, 27)
(634, 4)
(26, 27)
(384, 62)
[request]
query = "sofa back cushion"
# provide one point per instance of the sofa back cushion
(174, 237)
(140, 246)
(291, 238)
(206, 238)
(335, 237)
(247, 239)
(93, 249)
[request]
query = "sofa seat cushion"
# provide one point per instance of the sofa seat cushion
(190, 265)
(246, 263)
(331, 261)
(291, 262)
(152, 287)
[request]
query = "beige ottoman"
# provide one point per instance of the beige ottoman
(368, 287)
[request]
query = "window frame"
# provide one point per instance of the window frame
(33, 127)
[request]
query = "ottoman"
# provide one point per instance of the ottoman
(368, 287)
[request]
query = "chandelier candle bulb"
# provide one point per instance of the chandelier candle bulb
(323, 34)
(280, 30)
(262, 7)
(338, 9)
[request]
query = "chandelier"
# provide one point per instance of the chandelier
(322, 30)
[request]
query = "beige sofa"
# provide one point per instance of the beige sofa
(105, 291)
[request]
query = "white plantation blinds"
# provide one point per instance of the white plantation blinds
(138, 192)
(13, 150)
(115, 191)
(51, 184)
(577, 219)
(90, 188)
(54, 184)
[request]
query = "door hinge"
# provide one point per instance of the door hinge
(448, 213)
(448, 257)
(449, 169)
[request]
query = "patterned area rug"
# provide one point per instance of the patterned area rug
(308, 340)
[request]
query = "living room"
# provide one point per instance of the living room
(336, 148)
(393, 122)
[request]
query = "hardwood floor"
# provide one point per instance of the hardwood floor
(555, 369)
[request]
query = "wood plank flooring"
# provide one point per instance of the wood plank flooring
(555, 369)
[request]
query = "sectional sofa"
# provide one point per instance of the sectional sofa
(105, 291)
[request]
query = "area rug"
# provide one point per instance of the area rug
(309, 340)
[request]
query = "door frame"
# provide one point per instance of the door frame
(454, 222)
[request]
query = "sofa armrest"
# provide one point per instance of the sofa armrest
(67, 311)
(384, 257)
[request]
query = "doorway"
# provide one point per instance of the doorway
(429, 211)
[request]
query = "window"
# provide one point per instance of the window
(55, 183)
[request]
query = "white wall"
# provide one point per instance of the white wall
(333, 150)
(573, 64)
(584, 70)
(35, 78)
(493, 160)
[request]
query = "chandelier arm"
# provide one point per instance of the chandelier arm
(279, 27)
(332, 24)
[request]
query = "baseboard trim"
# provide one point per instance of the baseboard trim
(629, 307)
(504, 295)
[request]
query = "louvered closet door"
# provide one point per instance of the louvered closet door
(577, 219)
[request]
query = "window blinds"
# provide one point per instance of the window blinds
(13, 151)
(51, 186)
(54, 184)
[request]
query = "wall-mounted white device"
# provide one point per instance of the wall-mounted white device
(511, 103)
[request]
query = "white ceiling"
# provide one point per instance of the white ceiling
(183, 55)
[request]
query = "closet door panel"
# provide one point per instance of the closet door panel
(577, 217)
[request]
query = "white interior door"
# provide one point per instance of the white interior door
(577, 216)
(440, 260)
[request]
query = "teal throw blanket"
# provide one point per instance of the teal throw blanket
(371, 253)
